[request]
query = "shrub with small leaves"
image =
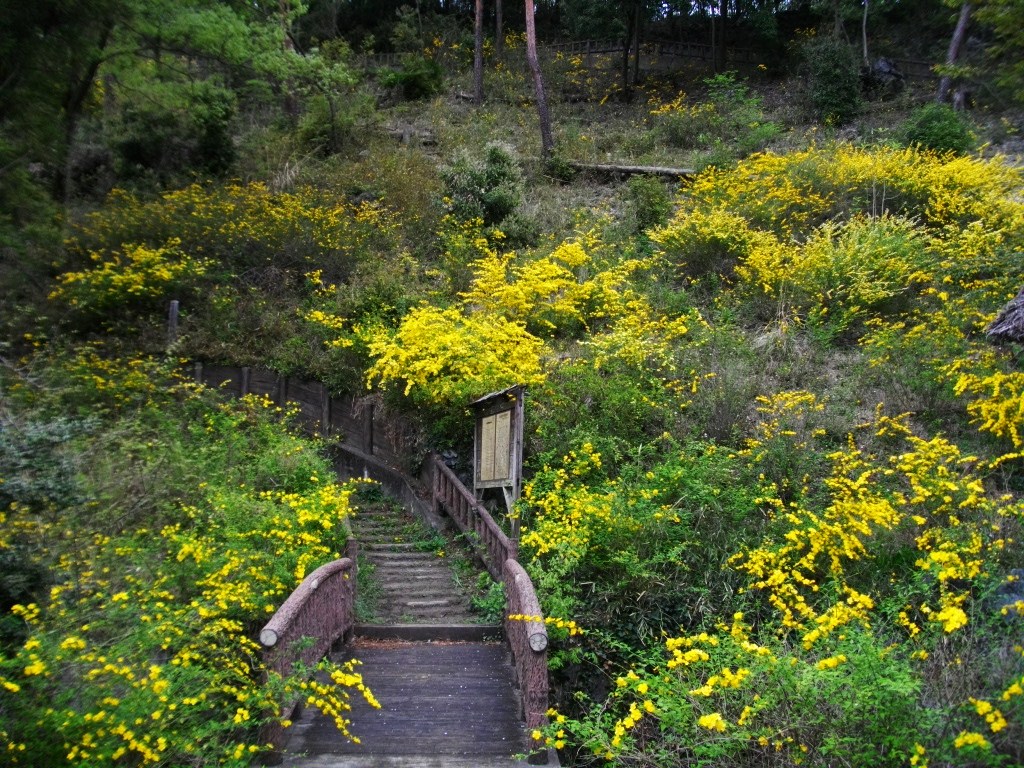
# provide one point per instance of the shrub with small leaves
(938, 127)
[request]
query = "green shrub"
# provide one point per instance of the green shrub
(730, 123)
(834, 79)
(330, 123)
(648, 203)
(185, 523)
(418, 77)
(488, 188)
(938, 127)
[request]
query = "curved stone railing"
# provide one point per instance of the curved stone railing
(491, 543)
(318, 613)
(528, 638)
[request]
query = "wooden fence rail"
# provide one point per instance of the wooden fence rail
(527, 636)
(485, 535)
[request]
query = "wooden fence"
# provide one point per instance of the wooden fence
(355, 420)
(911, 69)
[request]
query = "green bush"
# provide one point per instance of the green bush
(648, 203)
(938, 127)
(489, 189)
(329, 123)
(729, 123)
(834, 79)
(418, 77)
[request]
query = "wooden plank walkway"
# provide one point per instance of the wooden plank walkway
(449, 705)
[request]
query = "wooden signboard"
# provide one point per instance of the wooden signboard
(498, 443)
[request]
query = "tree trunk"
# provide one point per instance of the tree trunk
(637, 19)
(478, 54)
(627, 41)
(864, 33)
(71, 104)
(719, 48)
(547, 143)
(499, 31)
(955, 44)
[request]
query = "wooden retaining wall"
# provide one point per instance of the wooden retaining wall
(355, 420)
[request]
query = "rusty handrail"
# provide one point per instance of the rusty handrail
(526, 633)
(321, 608)
(491, 543)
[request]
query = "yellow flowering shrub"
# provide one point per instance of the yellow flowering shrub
(138, 645)
(135, 275)
(445, 356)
(824, 633)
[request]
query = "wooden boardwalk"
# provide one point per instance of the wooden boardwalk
(449, 705)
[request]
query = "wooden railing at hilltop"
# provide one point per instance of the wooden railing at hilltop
(911, 69)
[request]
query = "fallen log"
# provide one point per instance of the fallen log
(632, 170)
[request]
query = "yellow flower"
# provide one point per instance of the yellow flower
(971, 739)
(713, 722)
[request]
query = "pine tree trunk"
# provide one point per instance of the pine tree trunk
(955, 44)
(546, 141)
(499, 31)
(864, 34)
(720, 57)
(478, 53)
(637, 19)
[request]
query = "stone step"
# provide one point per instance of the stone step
(415, 596)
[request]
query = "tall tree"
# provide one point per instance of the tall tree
(546, 140)
(478, 53)
(953, 53)
(499, 30)
(718, 28)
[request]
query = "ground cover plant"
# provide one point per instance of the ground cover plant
(150, 529)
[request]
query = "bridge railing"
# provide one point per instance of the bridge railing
(491, 543)
(319, 612)
(526, 633)
(528, 638)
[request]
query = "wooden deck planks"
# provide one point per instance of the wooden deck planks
(453, 699)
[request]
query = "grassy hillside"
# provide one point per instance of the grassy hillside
(774, 463)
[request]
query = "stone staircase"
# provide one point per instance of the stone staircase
(409, 574)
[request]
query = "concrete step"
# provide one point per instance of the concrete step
(446, 632)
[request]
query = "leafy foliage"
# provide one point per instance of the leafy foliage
(130, 634)
(938, 127)
(834, 80)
